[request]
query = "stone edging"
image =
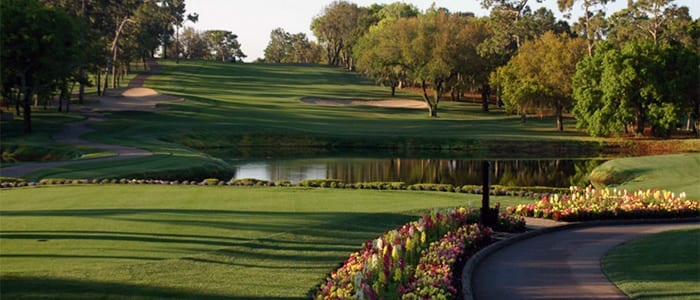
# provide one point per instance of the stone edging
(482, 254)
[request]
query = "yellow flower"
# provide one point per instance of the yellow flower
(397, 275)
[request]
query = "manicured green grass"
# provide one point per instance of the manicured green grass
(148, 241)
(258, 106)
(662, 266)
(677, 173)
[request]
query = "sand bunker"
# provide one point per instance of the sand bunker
(134, 99)
(139, 92)
(388, 103)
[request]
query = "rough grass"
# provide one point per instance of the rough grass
(191, 242)
(676, 172)
(661, 266)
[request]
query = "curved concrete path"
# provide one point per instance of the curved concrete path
(72, 132)
(562, 264)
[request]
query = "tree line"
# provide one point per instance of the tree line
(635, 71)
(49, 47)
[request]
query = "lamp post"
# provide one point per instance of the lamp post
(488, 216)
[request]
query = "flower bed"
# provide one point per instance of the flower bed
(416, 258)
(436, 274)
(583, 204)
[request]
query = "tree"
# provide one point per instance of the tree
(660, 21)
(426, 56)
(378, 54)
(194, 44)
(39, 49)
(285, 47)
(592, 21)
(337, 30)
(641, 84)
(279, 47)
(538, 77)
(225, 44)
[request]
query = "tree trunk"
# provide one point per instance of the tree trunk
(177, 44)
(18, 101)
(81, 88)
(99, 86)
(105, 86)
(114, 73)
(639, 118)
(27, 113)
(432, 108)
(115, 50)
(60, 101)
(560, 118)
(27, 105)
(695, 116)
(393, 89)
(485, 94)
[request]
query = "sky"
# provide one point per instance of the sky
(253, 20)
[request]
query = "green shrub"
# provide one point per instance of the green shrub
(211, 181)
(319, 182)
(381, 185)
(10, 180)
(284, 183)
(438, 187)
(52, 181)
(249, 182)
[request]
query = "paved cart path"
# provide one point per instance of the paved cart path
(558, 265)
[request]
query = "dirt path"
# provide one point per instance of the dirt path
(560, 265)
(134, 98)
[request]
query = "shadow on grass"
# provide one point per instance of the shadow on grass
(54, 288)
(252, 242)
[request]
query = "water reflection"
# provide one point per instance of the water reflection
(552, 172)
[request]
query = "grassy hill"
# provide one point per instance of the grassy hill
(676, 172)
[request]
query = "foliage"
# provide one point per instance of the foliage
(659, 21)
(285, 47)
(432, 63)
(39, 52)
(539, 78)
(194, 44)
(592, 23)
(593, 204)
(641, 83)
(378, 55)
(225, 44)
(337, 29)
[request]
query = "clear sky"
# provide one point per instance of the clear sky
(253, 20)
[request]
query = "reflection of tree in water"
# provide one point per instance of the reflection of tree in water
(559, 173)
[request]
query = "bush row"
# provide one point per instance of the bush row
(535, 192)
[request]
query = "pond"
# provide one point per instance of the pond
(458, 172)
